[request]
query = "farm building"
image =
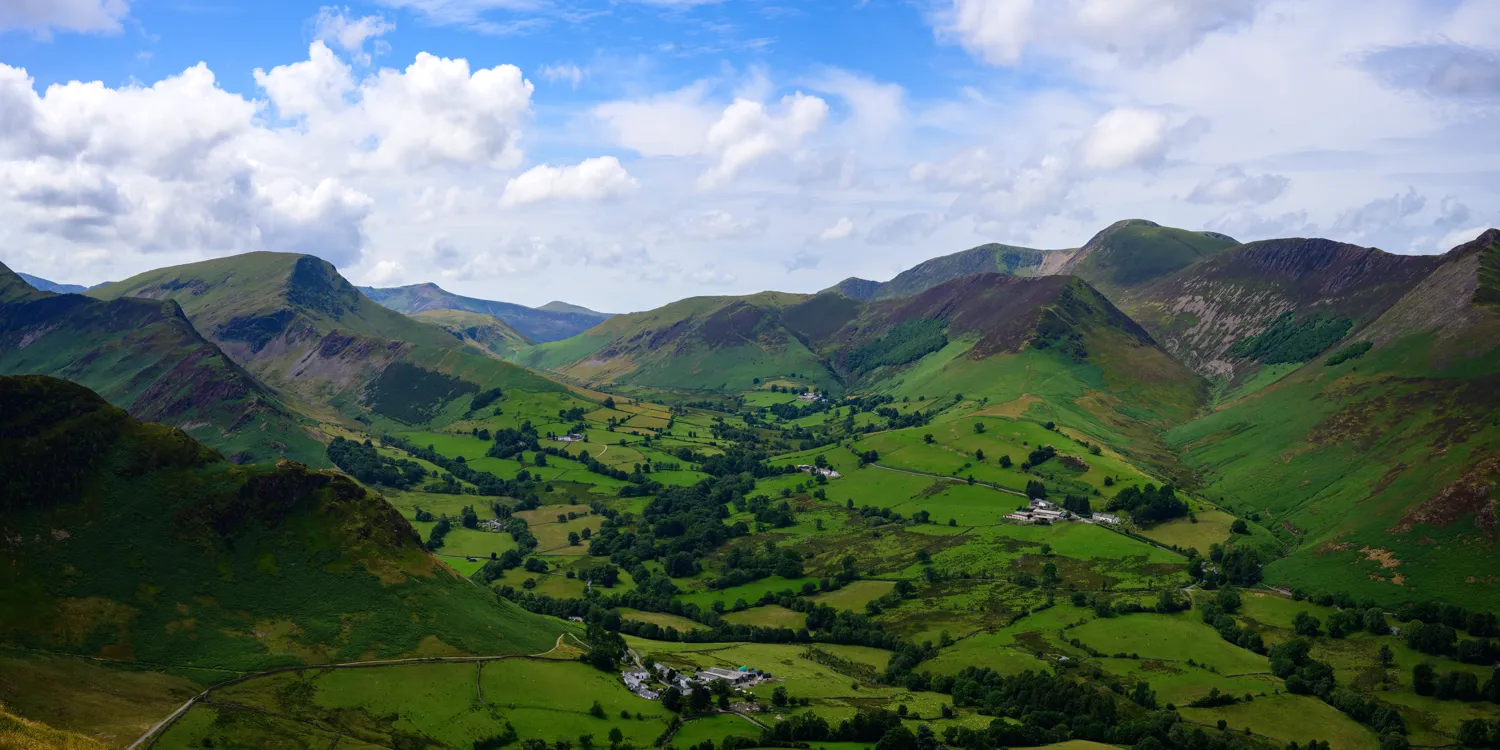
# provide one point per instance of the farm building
(810, 469)
(1106, 518)
(572, 438)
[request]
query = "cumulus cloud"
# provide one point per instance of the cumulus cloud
(841, 229)
(436, 112)
(749, 132)
(1231, 185)
(1126, 136)
(43, 17)
(595, 179)
(1379, 214)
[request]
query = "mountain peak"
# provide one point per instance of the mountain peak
(13, 288)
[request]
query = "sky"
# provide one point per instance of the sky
(621, 154)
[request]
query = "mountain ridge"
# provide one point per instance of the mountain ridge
(539, 324)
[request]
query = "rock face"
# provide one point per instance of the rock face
(1200, 312)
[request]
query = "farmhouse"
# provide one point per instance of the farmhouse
(1025, 519)
(730, 676)
(570, 438)
(1106, 518)
(494, 524)
(810, 397)
(809, 469)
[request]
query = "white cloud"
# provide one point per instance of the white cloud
(597, 179)
(841, 229)
(1135, 32)
(1231, 185)
(45, 16)
(904, 228)
(1458, 237)
(671, 124)
(334, 24)
(717, 225)
(1126, 136)
(995, 30)
(437, 112)
(710, 276)
(803, 260)
(563, 72)
(317, 85)
(749, 132)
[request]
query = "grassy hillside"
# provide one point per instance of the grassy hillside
(717, 343)
(1130, 253)
(552, 322)
(484, 332)
(295, 323)
(144, 356)
(1051, 348)
(1374, 461)
(991, 258)
(133, 542)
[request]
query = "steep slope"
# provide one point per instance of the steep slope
(1376, 462)
(484, 332)
(1051, 347)
(144, 356)
(1201, 312)
(538, 324)
(295, 323)
(696, 343)
(131, 541)
(51, 286)
(856, 288)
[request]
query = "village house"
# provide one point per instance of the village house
(810, 469)
(1106, 518)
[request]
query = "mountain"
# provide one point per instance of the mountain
(485, 332)
(1052, 347)
(1130, 253)
(301, 328)
(51, 286)
(697, 343)
(536, 324)
(1124, 255)
(1376, 461)
(146, 357)
(132, 542)
(564, 307)
(1203, 311)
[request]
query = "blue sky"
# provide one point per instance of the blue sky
(624, 153)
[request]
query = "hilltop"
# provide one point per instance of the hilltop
(1122, 256)
(51, 286)
(300, 327)
(713, 343)
(551, 322)
(146, 357)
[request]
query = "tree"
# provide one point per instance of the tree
(897, 737)
(1239, 527)
(979, 455)
(979, 428)
(1306, 625)
(1005, 462)
(609, 402)
(615, 736)
(700, 700)
(927, 438)
(672, 699)
(573, 538)
(596, 710)
(779, 696)
(1424, 679)
(1386, 656)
